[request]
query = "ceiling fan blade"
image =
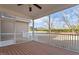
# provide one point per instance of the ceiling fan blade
(30, 9)
(19, 4)
(37, 6)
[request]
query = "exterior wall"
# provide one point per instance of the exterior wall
(10, 25)
(7, 32)
(21, 31)
(7, 28)
(13, 31)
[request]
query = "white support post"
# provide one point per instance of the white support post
(33, 30)
(15, 31)
(49, 30)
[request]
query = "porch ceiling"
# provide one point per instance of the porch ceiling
(36, 13)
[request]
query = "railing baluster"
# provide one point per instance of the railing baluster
(70, 41)
(76, 42)
(61, 40)
(66, 41)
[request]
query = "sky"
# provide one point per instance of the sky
(70, 14)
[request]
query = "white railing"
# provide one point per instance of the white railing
(64, 40)
(68, 41)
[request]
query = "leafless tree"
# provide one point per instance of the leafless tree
(76, 12)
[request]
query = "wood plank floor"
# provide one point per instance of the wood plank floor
(34, 48)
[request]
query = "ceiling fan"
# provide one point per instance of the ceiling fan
(30, 7)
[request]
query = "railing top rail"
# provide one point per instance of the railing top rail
(58, 33)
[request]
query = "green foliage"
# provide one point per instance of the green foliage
(77, 27)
